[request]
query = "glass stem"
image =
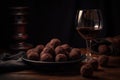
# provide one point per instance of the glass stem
(88, 45)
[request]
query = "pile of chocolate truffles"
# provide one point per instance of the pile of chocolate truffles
(113, 47)
(92, 65)
(54, 51)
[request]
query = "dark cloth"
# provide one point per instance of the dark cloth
(10, 62)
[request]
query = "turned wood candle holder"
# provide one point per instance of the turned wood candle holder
(20, 22)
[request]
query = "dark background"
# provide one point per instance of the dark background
(48, 19)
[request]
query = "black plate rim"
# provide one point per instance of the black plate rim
(44, 62)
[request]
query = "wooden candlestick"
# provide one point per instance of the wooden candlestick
(20, 23)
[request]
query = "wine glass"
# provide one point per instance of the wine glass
(89, 24)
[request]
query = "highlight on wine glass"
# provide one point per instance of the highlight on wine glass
(89, 25)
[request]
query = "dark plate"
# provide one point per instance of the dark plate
(55, 66)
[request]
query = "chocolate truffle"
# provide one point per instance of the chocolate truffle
(66, 47)
(46, 57)
(39, 48)
(49, 45)
(30, 50)
(60, 57)
(86, 70)
(48, 50)
(60, 50)
(103, 60)
(75, 54)
(103, 49)
(55, 42)
(33, 56)
(94, 63)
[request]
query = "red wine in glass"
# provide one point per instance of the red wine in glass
(88, 33)
(89, 24)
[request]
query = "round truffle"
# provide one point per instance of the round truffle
(39, 48)
(86, 70)
(30, 50)
(60, 50)
(49, 45)
(46, 57)
(103, 60)
(60, 57)
(48, 50)
(55, 42)
(75, 54)
(33, 56)
(94, 63)
(103, 49)
(66, 47)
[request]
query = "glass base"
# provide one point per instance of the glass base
(88, 58)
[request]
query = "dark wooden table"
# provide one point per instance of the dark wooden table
(109, 73)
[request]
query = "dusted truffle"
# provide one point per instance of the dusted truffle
(86, 70)
(30, 50)
(48, 50)
(103, 60)
(33, 56)
(103, 49)
(39, 48)
(60, 57)
(94, 63)
(75, 54)
(60, 50)
(55, 42)
(46, 57)
(66, 47)
(49, 45)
